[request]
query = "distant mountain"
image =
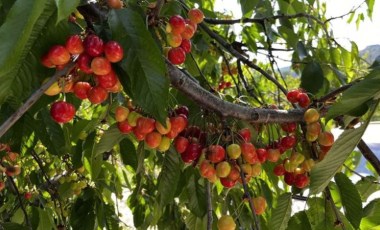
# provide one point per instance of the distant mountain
(370, 53)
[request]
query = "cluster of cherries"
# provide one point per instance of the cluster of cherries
(9, 166)
(298, 96)
(156, 135)
(179, 32)
(93, 57)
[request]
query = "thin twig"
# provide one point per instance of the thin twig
(33, 99)
(338, 219)
(335, 92)
(369, 155)
(245, 84)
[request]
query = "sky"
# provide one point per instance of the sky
(367, 34)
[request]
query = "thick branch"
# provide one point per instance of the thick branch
(369, 155)
(226, 109)
(30, 102)
(240, 56)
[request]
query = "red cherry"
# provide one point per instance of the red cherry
(178, 123)
(289, 127)
(58, 55)
(81, 89)
(289, 178)
(145, 125)
(193, 151)
(227, 183)
(176, 55)
(101, 66)
(74, 44)
(124, 127)
(216, 153)
(195, 15)
(177, 24)
(107, 81)
(279, 170)
(248, 151)
(186, 45)
(83, 63)
(172, 134)
(262, 154)
(45, 61)
(288, 142)
(303, 100)
(293, 95)
(182, 110)
(188, 33)
(28, 196)
(97, 94)
(93, 45)
(153, 139)
(194, 25)
(139, 136)
(301, 181)
(113, 51)
(62, 112)
(180, 144)
(245, 134)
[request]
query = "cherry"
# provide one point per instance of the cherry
(193, 151)
(133, 117)
(311, 115)
(182, 110)
(186, 45)
(245, 134)
(301, 181)
(248, 151)
(174, 40)
(139, 136)
(289, 178)
(113, 51)
(177, 24)
(121, 113)
(262, 154)
(234, 173)
(172, 134)
(84, 62)
(223, 169)
(326, 138)
(227, 183)
(260, 205)
(292, 95)
(303, 100)
(178, 123)
(273, 155)
(176, 56)
(97, 95)
(115, 4)
(288, 142)
(107, 81)
(2, 185)
(180, 144)
(161, 129)
(206, 169)
(153, 139)
(279, 170)
(188, 33)
(216, 153)
(81, 89)
(58, 55)
(101, 66)
(74, 44)
(164, 145)
(233, 151)
(194, 25)
(145, 125)
(314, 128)
(28, 196)
(45, 61)
(62, 112)
(289, 127)
(195, 15)
(124, 127)
(93, 45)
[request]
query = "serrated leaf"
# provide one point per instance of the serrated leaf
(65, 8)
(366, 187)
(128, 153)
(169, 177)
(82, 215)
(299, 221)
(322, 173)
(109, 139)
(371, 217)
(197, 197)
(312, 78)
(13, 226)
(319, 214)
(143, 63)
(45, 220)
(357, 95)
(194, 223)
(350, 197)
(281, 214)
(92, 161)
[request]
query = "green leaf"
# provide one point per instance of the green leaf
(65, 8)
(247, 7)
(357, 95)
(109, 139)
(351, 201)
(320, 214)
(92, 161)
(45, 220)
(13, 226)
(301, 50)
(299, 221)
(194, 223)
(371, 217)
(128, 153)
(19, 34)
(312, 78)
(281, 214)
(322, 173)
(143, 63)
(82, 215)
(366, 187)
(169, 177)
(197, 197)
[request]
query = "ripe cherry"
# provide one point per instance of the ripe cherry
(153, 139)
(58, 55)
(178, 123)
(74, 44)
(113, 51)
(311, 115)
(93, 45)
(195, 15)
(176, 56)
(216, 153)
(145, 125)
(182, 110)
(301, 181)
(181, 143)
(289, 178)
(115, 4)
(262, 154)
(227, 183)
(81, 89)
(245, 134)
(288, 141)
(303, 100)
(124, 127)
(193, 151)
(186, 45)
(289, 127)
(293, 95)
(279, 170)
(177, 24)
(45, 61)
(28, 196)
(84, 62)
(174, 40)
(107, 81)
(188, 33)
(62, 112)
(101, 66)
(206, 169)
(97, 94)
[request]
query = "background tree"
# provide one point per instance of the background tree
(247, 142)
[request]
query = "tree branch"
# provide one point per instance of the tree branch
(226, 109)
(209, 206)
(369, 155)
